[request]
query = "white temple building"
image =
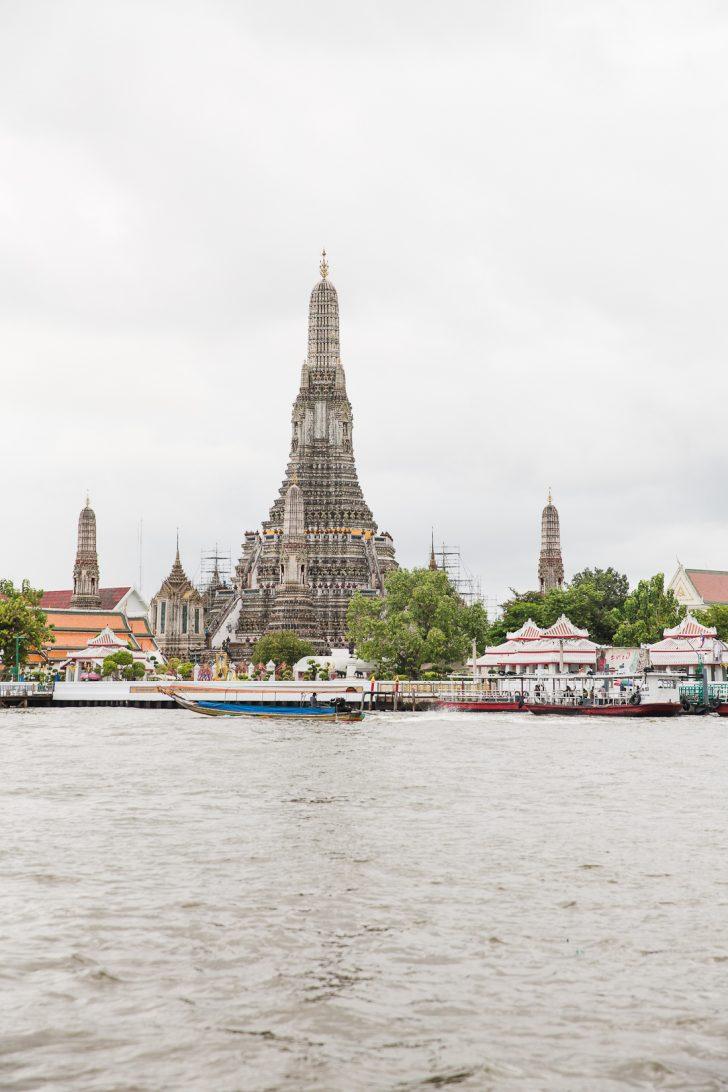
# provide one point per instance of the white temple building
(531, 650)
(687, 647)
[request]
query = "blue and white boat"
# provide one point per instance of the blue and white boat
(336, 710)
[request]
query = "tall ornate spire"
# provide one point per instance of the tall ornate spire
(550, 564)
(321, 459)
(177, 574)
(433, 560)
(323, 322)
(86, 594)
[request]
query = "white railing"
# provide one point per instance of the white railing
(22, 689)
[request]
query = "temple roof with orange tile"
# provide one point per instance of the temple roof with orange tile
(73, 629)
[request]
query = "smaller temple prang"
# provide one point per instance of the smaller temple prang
(178, 614)
(86, 595)
(550, 563)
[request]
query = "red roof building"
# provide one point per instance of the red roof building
(696, 589)
(111, 598)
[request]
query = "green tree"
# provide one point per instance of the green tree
(186, 669)
(647, 611)
(133, 671)
(613, 586)
(515, 612)
(420, 619)
(284, 647)
(21, 617)
(118, 663)
(593, 601)
(716, 615)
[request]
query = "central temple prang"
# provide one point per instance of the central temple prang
(320, 543)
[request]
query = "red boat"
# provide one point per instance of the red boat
(618, 709)
(497, 705)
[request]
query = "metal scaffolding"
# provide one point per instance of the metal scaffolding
(466, 584)
(215, 568)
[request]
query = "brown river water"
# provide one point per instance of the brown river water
(418, 901)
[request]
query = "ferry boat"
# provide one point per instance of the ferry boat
(647, 695)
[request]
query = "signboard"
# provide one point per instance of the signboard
(624, 661)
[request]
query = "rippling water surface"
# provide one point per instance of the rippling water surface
(503, 902)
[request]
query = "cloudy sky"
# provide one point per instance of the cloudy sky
(524, 209)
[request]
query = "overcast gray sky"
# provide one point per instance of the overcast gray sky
(524, 209)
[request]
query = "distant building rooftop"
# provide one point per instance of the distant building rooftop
(61, 600)
(697, 588)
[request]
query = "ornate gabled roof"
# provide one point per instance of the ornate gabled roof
(690, 627)
(565, 628)
(529, 631)
(177, 574)
(177, 584)
(106, 638)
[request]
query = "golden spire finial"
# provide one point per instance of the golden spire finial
(88, 499)
(324, 265)
(551, 500)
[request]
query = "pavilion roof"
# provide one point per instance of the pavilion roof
(564, 629)
(532, 645)
(679, 652)
(690, 627)
(529, 631)
(103, 644)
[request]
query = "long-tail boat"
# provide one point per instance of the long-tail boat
(339, 711)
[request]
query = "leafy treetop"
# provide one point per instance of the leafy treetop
(716, 615)
(420, 620)
(21, 617)
(284, 647)
(647, 611)
(593, 600)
